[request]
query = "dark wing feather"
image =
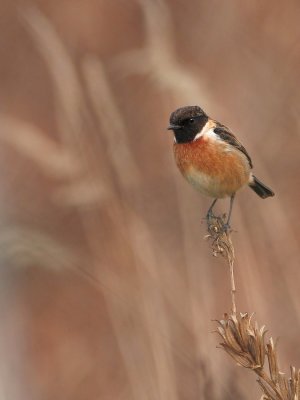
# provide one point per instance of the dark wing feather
(229, 137)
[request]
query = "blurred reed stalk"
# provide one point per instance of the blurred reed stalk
(242, 338)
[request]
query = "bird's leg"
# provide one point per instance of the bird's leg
(227, 226)
(209, 212)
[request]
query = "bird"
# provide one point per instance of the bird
(211, 158)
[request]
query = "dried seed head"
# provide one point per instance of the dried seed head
(243, 340)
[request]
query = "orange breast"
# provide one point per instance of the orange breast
(214, 168)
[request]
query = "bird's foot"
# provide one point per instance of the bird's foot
(226, 228)
(209, 215)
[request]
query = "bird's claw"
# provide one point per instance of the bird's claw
(226, 228)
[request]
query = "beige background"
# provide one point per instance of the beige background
(108, 290)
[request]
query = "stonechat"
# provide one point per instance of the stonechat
(211, 158)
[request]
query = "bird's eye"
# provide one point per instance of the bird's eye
(191, 120)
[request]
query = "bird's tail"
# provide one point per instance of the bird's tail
(259, 188)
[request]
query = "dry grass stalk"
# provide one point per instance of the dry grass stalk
(139, 317)
(221, 244)
(242, 338)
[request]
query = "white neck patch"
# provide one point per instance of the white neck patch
(207, 131)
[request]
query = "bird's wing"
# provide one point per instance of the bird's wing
(226, 135)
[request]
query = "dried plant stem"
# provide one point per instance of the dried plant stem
(233, 289)
(264, 376)
(242, 339)
(222, 245)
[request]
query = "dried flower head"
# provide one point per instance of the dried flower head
(244, 341)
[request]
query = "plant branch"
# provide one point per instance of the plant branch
(242, 338)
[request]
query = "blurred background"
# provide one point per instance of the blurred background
(108, 289)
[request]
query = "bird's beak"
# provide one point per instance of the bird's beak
(174, 127)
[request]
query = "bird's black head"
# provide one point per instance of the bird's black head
(186, 122)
